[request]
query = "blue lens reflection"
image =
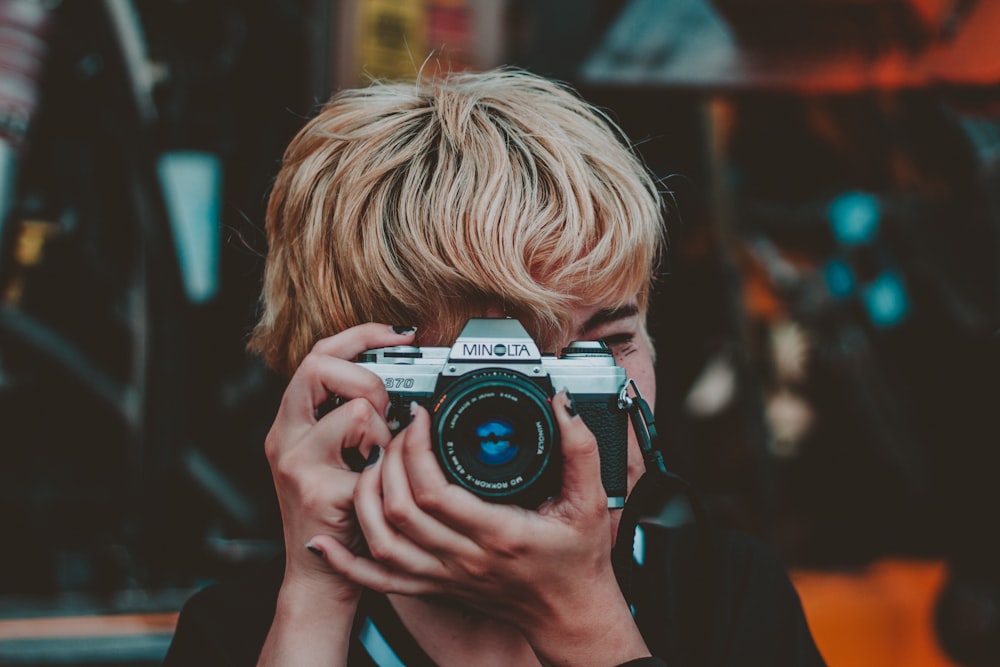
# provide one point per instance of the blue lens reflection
(495, 446)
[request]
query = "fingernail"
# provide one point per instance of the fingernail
(413, 408)
(314, 550)
(373, 456)
(570, 404)
(404, 331)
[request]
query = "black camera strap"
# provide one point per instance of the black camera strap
(646, 497)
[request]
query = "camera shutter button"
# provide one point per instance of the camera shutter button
(402, 354)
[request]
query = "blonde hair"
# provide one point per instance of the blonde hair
(420, 204)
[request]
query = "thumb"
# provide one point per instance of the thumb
(581, 484)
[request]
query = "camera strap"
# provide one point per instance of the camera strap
(646, 498)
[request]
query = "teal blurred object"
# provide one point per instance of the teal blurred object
(192, 189)
(854, 217)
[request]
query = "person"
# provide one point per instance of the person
(399, 212)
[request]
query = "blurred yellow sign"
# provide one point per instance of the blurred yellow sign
(398, 39)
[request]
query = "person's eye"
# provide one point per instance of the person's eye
(616, 340)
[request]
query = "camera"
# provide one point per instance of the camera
(489, 397)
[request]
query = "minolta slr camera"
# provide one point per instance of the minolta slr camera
(493, 430)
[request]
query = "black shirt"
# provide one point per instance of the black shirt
(732, 606)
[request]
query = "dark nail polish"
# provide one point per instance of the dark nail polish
(314, 551)
(403, 331)
(570, 404)
(373, 456)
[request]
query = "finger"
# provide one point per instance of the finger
(355, 426)
(402, 511)
(385, 543)
(319, 377)
(368, 573)
(349, 343)
(581, 486)
(463, 512)
(328, 369)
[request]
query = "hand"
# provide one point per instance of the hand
(315, 487)
(547, 572)
(314, 484)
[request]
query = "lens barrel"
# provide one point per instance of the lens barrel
(495, 434)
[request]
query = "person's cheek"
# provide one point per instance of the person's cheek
(636, 467)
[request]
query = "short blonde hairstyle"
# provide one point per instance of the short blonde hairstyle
(422, 203)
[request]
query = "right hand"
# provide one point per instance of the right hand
(314, 484)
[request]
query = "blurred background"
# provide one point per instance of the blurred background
(826, 323)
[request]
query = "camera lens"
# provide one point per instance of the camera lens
(495, 435)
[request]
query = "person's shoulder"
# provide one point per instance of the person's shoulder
(728, 589)
(732, 568)
(254, 589)
(227, 622)
(732, 554)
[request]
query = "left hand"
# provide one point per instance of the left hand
(547, 572)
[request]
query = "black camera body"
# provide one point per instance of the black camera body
(489, 396)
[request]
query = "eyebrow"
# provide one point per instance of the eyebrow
(609, 315)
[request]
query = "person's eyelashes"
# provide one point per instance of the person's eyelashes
(615, 340)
